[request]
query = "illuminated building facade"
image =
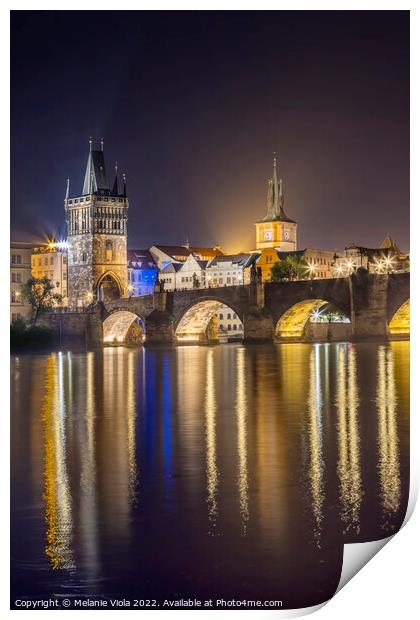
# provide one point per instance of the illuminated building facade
(50, 261)
(97, 235)
(142, 273)
(385, 259)
(229, 324)
(276, 229)
(320, 262)
(20, 272)
(230, 270)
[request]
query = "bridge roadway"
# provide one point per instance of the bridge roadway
(276, 309)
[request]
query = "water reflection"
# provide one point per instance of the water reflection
(388, 449)
(241, 420)
(210, 412)
(347, 403)
(88, 476)
(316, 464)
(249, 456)
(57, 497)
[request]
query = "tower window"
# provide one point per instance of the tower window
(109, 250)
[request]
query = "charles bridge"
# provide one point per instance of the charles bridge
(376, 306)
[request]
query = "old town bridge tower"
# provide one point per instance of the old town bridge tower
(97, 235)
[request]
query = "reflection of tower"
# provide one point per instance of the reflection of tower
(347, 402)
(389, 460)
(117, 476)
(57, 497)
(97, 235)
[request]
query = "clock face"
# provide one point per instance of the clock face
(268, 235)
(286, 234)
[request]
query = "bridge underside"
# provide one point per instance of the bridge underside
(400, 322)
(121, 327)
(294, 322)
(200, 322)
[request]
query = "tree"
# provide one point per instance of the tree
(39, 293)
(289, 268)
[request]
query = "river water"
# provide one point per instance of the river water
(225, 472)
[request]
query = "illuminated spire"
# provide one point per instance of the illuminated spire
(275, 197)
(116, 186)
(95, 175)
(67, 189)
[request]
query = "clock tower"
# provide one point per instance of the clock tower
(276, 230)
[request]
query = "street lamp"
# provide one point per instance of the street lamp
(130, 290)
(312, 270)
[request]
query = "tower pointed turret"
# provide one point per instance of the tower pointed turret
(95, 175)
(116, 189)
(67, 196)
(275, 197)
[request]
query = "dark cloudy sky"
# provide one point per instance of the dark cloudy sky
(192, 105)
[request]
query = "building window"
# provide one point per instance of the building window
(229, 316)
(235, 327)
(13, 297)
(229, 327)
(109, 251)
(46, 260)
(221, 317)
(84, 256)
(39, 262)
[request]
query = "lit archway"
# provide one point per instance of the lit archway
(209, 320)
(293, 322)
(123, 326)
(109, 287)
(400, 322)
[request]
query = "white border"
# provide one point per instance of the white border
(388, 585)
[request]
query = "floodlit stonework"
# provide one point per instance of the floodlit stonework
(97, 237)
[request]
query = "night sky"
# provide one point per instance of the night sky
(193, 104)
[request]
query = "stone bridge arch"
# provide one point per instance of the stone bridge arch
(235, 297)
(125, 320)
(291, 304)
(193, 320)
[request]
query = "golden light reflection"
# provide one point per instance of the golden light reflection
(400, 322)
(131, 426)
(241, 420)
(316, 464)
(57, 497)
(388, 444)
(349, 473)
(88, 503)
(292, 323)
(210, 409)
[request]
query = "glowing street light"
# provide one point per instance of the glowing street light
(311, 269)
(130, 290)
(339, 270)
(388, 263)
(89, 297)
